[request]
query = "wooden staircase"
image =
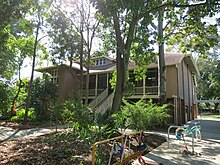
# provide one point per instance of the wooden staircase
(102, 102)
(105, 105)
(94, 103)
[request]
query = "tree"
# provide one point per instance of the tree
(126, 17)
(179, 19)
(5, 92)
(209, 80)
(193, 33)
(12, 10)
(23, 49)
(40, 9)
(65, 39)
(119, 11)
(161, 52)
(43, 97)
(9, 11)
(77, 28)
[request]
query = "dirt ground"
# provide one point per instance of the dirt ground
(59, 149)
(16, 125)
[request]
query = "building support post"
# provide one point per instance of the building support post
(96, 85)
(144, 86)
(107, 80)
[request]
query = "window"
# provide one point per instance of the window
(102, 81)
(152, 77)
(92, 81)
(100, 62)
(54, 76)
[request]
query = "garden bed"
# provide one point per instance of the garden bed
(60, 148)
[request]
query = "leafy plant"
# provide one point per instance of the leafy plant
(143, 115)
(5, 99)
(20, 115)
(43, 97)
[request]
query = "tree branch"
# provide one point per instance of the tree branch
(93, 33)
(166, 25)
(153, 25)
(42, 38)
(172, 33)
(77, 29)
(178, 6)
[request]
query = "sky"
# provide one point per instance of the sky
(26, 70)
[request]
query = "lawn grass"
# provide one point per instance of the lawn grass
(211, 116)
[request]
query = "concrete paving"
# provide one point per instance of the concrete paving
(9, 133)
(206, 152)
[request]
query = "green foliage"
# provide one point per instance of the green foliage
(43, 97)
(20, 115)
(7, 56)
(80, 117)
(209, 80)
(106, 124)
(78, 112)
(56, 112)
(190, 29)
(143, 115)
(10, 10)
(5, 99)
(66, 39)
(23, 91)
(10, 14)
(113, 80)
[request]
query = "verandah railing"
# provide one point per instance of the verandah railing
(149, 90)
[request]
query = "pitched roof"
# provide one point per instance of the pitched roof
(170, 59)
(173, 58)
(47, 68)
(102, 67)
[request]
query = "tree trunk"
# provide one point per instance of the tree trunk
(120, 67)
(120, 83)
(13, 113)
(88, 66)
(122, 59)
(215, 107)
(161, 63)
(87, 80)
(32, 77)
(81, 60)
(81, 48)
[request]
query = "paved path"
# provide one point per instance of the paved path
(9, 133)
(206, 152)
(210, 129)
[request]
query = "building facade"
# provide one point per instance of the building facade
(181, 73)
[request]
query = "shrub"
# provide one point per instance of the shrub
(56, 113)
(20, 115)
(5, 100)
(142, 116)
(43, 97)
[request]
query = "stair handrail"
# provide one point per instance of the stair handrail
(105, 105)
(98, 99)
